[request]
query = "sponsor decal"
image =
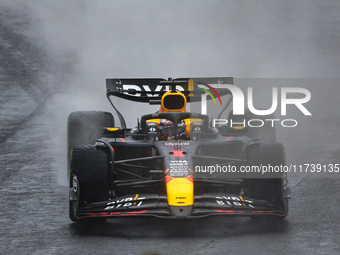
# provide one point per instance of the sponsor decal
(132, 90)
(198, 129)
(152, 130)
(125, 202)
(234, 201)
(177, 143)
(178, 168)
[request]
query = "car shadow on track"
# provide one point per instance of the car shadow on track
(180, 228)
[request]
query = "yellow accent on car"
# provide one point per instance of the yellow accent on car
(188, 124)
(238, 127)
(180, 192)
(112, 129)
(157, 121)
(242, 200)
(191, 86)
(174, 94)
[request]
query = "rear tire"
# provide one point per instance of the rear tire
(90, 165)
(274, 187)
(85, 127)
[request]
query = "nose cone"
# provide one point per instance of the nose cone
(181, 211)
(180, 193)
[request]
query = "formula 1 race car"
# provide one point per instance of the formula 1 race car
(174, 163)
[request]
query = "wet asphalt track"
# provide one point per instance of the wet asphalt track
(34, 216)
(33, 194)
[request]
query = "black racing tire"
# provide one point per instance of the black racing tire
(84, 127)
(267, 132)
(274, 187)
(90, 165)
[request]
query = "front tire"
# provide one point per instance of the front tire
(273, 188)
(90, 166)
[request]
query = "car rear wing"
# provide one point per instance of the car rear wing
(152, 89)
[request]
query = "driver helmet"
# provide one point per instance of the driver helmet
(167, 130)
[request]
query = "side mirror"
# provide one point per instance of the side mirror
(114, 132)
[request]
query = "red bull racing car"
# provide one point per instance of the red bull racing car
(175, 163)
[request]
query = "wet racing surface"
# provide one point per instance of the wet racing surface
(34, 218)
